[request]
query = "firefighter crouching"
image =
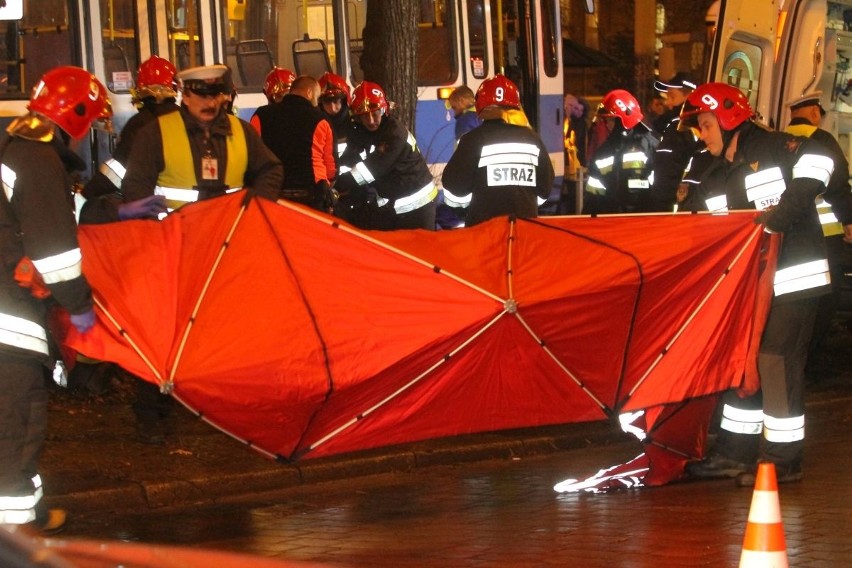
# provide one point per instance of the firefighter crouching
(383, 181)
(781, 176)
(37, 221)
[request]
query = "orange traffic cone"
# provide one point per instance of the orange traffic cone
(764, 544)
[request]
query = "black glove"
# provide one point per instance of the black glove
(325, 195)
(345, 184)
(763, 216)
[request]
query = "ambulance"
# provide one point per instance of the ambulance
(778, 51)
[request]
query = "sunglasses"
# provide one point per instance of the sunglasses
(207, 89)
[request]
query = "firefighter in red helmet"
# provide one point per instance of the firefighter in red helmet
(155, 78)
(276, 85)
(780, 176)
(501, 167)
(154, 95)
(620, 169)
(384, 181)
(37, 220)
(334, 104)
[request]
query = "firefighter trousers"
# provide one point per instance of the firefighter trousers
(781, 364)
(23, 423)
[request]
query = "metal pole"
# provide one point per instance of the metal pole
(578, 190)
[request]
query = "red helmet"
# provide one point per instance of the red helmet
(278, 83)
(333, 87)
(156, 77)
(72, 98)
(367, 97)
(499, 91)
(621, 105)
(728, 103)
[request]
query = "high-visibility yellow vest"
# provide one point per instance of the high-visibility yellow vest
(178, 175)
(830, 225)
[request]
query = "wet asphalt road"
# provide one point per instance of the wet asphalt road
(505, 513)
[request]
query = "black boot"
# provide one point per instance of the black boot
(717, 466)
(49, 521)
(784, 473)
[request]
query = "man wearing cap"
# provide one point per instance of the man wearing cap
(678, 160)
(675, 90)
(201, 151)
(806, 114)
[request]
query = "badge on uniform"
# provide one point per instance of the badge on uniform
(209, 168)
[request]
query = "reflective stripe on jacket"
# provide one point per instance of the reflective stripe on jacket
(830, 224)
(783, 175)
(41, 225)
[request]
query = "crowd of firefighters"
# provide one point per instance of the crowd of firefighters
(343, 152)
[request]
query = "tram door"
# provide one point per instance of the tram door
(527, 49)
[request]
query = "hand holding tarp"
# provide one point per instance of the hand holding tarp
(326, 195)
(146, 208)
(84, 322)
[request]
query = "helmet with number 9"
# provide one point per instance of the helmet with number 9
(622, 105)
(368, 97)
(497, 91)
(72, 98)
(726, 102)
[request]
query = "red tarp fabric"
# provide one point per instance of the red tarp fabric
(307, 338)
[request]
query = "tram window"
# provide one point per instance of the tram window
(184, 30)
(41, 40)
(119, 44)
(550, 34)
(506, 24)
(436, 63)
(742, 68)
(476, 38)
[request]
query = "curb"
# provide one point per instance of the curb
(215, 488)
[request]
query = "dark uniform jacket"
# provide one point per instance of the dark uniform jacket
(38, 223)
(389, 161)
(263, 173)
(340, 124)
(498, 169)
(671, 160)
(782, 175)
(620, 172)
(102, 192)
(838, 192)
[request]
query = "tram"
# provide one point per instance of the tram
(462, 42)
